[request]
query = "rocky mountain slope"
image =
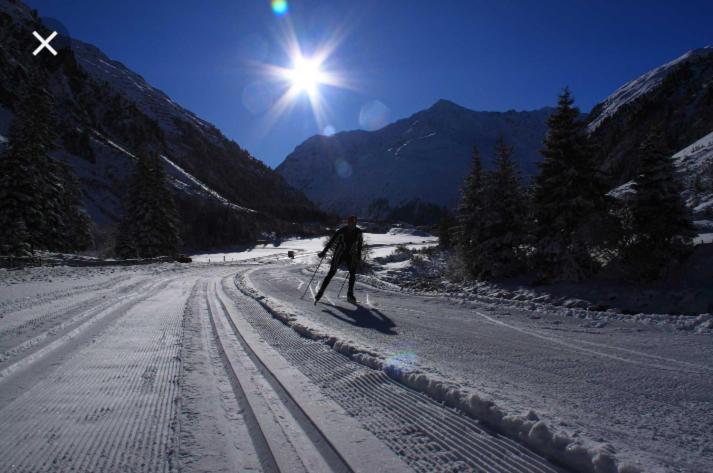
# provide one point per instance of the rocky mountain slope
(106, 114)
(421, 157)
(675, 100)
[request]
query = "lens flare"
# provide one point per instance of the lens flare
(374, 115)
(343, 168)
(402, 362)
(257, 97)
(279, 7)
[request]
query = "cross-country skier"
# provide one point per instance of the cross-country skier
(347, 241)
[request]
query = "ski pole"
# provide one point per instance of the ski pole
(313, 275)
(342, 286)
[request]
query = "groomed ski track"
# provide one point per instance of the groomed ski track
(173, 368)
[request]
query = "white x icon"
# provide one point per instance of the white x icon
(44, 43)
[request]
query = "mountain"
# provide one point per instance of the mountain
(694, 165)
(422, 157)
(675, 100)
(107, 114)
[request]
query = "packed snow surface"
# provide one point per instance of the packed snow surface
(627, 391)
(131, 365)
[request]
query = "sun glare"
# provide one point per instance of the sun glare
(305, 75)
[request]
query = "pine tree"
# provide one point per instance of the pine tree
(502, 232)
(38, 204)
(444, 231)
(658, 228)
(568, 196)
(469, 213)
(149, 226)
(77, 224)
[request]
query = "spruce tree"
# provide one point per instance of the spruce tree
(469, 213)
(568, 196)
(444, 231)
(502, 230)
(658, 228)
(149, 226)
(76, 229)
(39, 205)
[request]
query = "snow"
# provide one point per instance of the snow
(692, 162)
(407, 231)
(600, 392)
(642, 85)
(380, 244)
(114, 145)
(577, 385)
(150, 100)
(703, 238)
(400, 160)
(204, 187)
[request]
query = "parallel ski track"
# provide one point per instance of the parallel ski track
(29, 332)
(21, 303)
(429, 436)
(267, 454)
(109, 407)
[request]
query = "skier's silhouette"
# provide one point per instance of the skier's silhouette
(347, 241)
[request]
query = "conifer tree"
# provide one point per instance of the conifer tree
(76, 229)
(502, 231)
(40, 207)
(658, 225)
(149, 226)
(469, 213)
(568, 196)
(444, 231)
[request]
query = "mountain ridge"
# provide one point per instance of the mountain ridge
(107, 114)
(334, 171)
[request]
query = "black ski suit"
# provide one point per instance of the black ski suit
(347, 244)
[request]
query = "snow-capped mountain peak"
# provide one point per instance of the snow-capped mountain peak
(643, 84)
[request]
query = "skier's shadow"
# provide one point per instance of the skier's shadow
(362, 317)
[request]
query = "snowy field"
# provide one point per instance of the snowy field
(381, 244)
(180, 367)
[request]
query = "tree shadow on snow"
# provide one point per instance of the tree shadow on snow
(359, 316)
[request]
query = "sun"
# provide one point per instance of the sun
(306, 74)
(303, 76)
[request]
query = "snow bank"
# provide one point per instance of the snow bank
(408, 231)
(580, 454)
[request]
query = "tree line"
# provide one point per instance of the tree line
(40, 200)
(40, 196)
(564, 225)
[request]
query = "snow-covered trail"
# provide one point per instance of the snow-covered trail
(150, 372)
(173, 368)
(646, 390)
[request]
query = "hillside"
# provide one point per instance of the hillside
(106, 114)
(422, 157)
(676, 99)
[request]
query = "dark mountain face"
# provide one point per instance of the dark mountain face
(106, 114)
(675, 99)
(422, 157)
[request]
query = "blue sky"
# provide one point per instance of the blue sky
(484, 55)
